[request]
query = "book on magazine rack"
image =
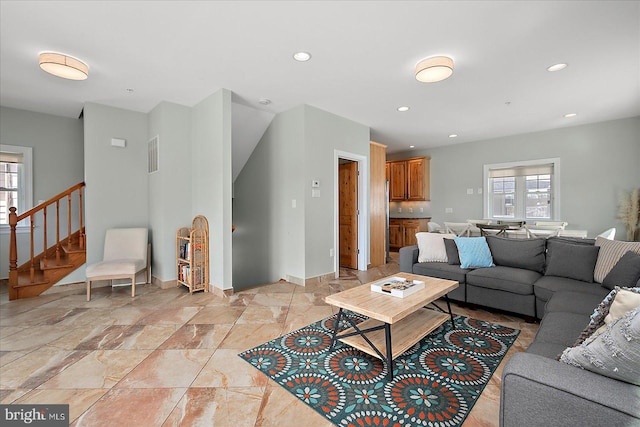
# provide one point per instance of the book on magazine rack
(397, 286)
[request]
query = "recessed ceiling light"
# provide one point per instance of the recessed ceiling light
(569, 115)
(302, 56)
(557, 67)
(264, 101)
(412, 146)
(453, 135)
(403, 109)
(129, 90)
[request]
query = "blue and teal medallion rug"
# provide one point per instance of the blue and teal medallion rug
(435, 383)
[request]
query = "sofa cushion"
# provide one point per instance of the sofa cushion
(610, 253)
(473, 252)
(515, 280)
(573, 302)
(518, 253)
(441, 270)
(550, 350)
(431, 247)
(625, 273)
(561, 328)
(571, 261)
(452, 252)
(614, 353)
(548, 285)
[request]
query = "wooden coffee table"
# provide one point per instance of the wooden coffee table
(407, 318)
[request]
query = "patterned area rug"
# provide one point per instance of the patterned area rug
(436, 382)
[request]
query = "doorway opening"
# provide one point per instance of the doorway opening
(351, 213)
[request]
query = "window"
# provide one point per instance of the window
(522, 190)
(15, 180)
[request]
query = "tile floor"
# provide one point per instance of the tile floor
(167, 358)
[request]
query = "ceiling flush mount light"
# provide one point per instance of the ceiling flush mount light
(63, 66)
(403, 109)
(302, 56)
(453, 135)
(264, 101)
(412, 146)
(557, 67)
(434, 69)
(569, 115)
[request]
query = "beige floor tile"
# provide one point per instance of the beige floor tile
(167, 369)
(227, 369)
(141, 337)
(78, 400)
(263, 315)
(271, 299)
(132, 407)
(197, 336)
(217, 315)
(247, 336)
(170, 316)
(38, 367)
(99, 369)
(33, 338)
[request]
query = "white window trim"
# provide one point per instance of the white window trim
(555, 184)
(26, 176)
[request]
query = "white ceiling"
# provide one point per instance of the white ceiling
(363, 56)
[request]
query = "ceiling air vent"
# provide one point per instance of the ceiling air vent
(154, 160)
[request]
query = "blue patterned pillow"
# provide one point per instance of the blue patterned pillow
(474, 252)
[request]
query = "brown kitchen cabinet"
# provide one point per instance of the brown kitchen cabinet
(402, 232)
(409, 179)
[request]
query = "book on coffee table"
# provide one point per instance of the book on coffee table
(397, 286)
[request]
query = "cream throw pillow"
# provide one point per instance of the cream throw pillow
(431, 247)
(623, 302)
(610, 253)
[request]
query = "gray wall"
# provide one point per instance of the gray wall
(169, 187)
(268, 242)
(116, 178)
(273, 239)
(324, 133)
(597, 161)
(211, 180)
(58, 151)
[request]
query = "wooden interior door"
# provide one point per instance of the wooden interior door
(348, 213)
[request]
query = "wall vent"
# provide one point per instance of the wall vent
(153, 155)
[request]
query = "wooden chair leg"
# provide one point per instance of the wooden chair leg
(133, 285)
(88, 290)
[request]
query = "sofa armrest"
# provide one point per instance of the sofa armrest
(408, 257)
(537, 391)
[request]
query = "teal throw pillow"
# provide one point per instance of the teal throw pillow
(474, 252)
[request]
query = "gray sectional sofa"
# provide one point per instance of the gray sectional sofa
(548, 279)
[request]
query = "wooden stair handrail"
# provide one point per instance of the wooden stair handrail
(14, 219)
(51, 201)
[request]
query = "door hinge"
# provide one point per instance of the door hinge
(358, 251)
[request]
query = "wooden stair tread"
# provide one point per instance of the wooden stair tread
(52, 264)
(24, 279)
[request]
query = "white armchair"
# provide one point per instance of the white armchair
(125, 255)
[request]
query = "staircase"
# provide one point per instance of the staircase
(53, 262)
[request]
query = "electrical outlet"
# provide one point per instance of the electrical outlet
(410, 210)
(331, 252)
(479, 190)
(448, 210)
(399, 210)
(421, 210)
(469, 190)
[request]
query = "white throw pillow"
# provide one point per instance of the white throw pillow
(431, 247)
(623, 302)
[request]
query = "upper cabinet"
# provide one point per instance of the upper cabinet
(408, 179)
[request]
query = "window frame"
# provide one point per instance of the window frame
(521, 193)
(25, 183)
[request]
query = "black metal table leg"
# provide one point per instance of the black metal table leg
(387, 336)
(335, 329)
(446, 298)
